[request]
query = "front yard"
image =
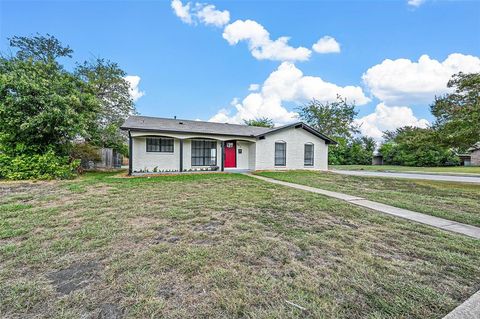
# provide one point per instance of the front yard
(220, 246)
(455, 201)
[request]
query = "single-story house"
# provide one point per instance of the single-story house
(472, 158)
(173, 145)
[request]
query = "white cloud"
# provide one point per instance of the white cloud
(415, 3)
(134, 81)
(326, 44)
(199, 12)
(182, 11)
(254, 87)
(260, 44)
(403, 81)
(388, 118)
(286, 84)
(209, 15)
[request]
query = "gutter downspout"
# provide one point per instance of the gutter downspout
(130, 153)
(222, 168)
(181, 156)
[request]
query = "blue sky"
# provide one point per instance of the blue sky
(201, 67)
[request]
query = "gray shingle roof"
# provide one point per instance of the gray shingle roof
(475, 147)
(147, 123)
(188, 126)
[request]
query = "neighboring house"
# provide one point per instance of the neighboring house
(159, 144)
(377, 158)
(472, 158)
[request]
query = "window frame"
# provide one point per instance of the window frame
(312, 154)
(162, 147)
(206, 156)
(284, 157)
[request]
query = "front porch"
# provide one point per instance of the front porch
(171, 153)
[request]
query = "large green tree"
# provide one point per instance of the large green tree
(458, 113)
(112, 90)
(335, 119)
(414, 146)
(42, 107)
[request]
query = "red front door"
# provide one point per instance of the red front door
(230, 154)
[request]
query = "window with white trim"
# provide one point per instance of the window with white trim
(308, 155)
(280, 154)
(160, 144)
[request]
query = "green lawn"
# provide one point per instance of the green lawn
(218, 246)
(455, 201)
(392, 168)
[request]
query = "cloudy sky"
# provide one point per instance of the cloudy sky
(229, 61)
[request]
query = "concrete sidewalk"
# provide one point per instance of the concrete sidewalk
(470, 309)
(433, 221)
(424, 176)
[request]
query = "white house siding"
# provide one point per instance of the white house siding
(143, 160)
(475, 158)
(243, 158)
(252, 150)
(295, 139)
(256, 154)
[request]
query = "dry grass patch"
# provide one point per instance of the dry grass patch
(219, 246)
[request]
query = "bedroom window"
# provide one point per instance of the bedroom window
(160, 144)
(280, 153)
(308, 155)
(204, 153)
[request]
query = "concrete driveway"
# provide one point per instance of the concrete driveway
(431, 177)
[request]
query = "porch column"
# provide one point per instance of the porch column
(130, 153)
(181, 155)
(222, 167)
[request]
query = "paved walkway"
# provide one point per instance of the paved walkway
(470, 309)
(431, 177)
(433, 221)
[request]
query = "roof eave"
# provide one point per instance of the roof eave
(305, 127)
(184, 132)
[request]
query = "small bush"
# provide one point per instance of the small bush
(85, 153)
(37, 166)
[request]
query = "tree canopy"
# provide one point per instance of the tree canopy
(261, 121)
(335, 119)
(414, 146)
(353, 151)
(458, 113)
(42, 107)
(39, 48)
(43, 104)
(108, 82)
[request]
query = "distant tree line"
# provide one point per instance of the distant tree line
(51, 117)
(455, 129)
